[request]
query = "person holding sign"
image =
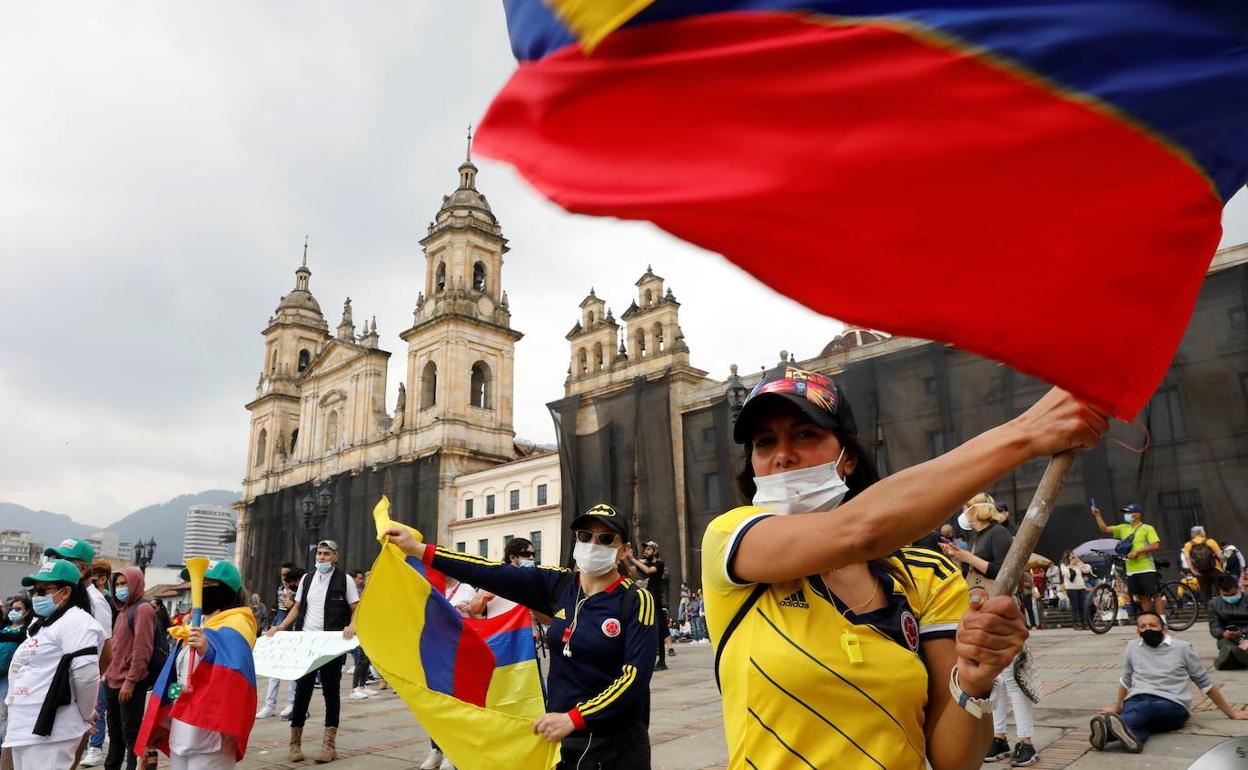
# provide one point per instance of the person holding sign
(326, 601)
(836, 643)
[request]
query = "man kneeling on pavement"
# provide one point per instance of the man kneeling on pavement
(1228, 619)
(1153, 694)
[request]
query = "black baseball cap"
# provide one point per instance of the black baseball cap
(815, 394)
(605, 514)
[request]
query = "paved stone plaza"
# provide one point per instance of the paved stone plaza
(1080, 671)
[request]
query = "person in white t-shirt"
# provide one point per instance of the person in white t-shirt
(326, 601)
(54, 675)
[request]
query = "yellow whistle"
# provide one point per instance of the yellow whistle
(851, 646)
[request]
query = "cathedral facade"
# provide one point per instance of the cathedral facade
(321, 429)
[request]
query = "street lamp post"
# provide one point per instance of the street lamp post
(735, 393)
(315, 511)
(143, 553)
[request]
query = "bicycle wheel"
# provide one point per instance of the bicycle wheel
(1102, 609)
(1182, 606)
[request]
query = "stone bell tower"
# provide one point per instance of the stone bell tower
(461, 347)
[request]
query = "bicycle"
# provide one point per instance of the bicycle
(1182, 603)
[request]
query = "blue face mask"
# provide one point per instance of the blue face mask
(1128, 518)
(43, 606)
(15, 616)
(123, 593)
(323, 567)
(526, 562)
(1233, 599)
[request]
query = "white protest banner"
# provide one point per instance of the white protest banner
(291, 654)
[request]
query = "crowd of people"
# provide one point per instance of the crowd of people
(836, 640)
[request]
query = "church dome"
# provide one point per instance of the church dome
(299, 300)
(852, 337)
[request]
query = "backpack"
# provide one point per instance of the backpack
(1202, 557)
(160, 651)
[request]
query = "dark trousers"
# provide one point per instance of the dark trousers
(360, 677)
(628, 749)
(331, 682)
(1230, 657)
(1147, 714)
(1078, 606)
(124, 720)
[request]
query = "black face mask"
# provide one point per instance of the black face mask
(219, 597)
(1152, 637)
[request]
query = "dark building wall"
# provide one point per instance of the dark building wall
(276, 531)
(915, 404)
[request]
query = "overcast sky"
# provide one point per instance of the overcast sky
(161, 163)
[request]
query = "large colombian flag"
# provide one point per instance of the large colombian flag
(221, 694)
(1037, 181)
(472, 684)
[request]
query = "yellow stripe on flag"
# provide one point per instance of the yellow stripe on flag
(389, 622)
(593, 20)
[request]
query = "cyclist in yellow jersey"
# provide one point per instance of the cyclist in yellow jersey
(835, 645)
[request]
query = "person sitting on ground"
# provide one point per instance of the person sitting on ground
(1228, 619)
(1153, 694)
(1203, 557)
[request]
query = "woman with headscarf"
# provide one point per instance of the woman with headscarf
(837, 646)
(54, 675)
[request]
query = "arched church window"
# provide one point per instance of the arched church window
(331, 431)
(649, 298)
(582, 361)
(439, 280)
(305, 359)
(294, 436)
(657, 336)
(479, 386)
(641, 343)
(273, 363)
(598, 360)
(590, 318)
(429, 385)
(478, 277)
(261, 447)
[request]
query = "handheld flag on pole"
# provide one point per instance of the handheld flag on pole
(473, 686)
(1059, 167)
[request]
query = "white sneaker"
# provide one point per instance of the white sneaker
(433, 761)
(93, 757)
(265, 712)
(368, 690)
(358, 693)
(446, 764)
(286, 712)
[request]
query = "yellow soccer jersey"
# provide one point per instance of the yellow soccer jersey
(804, 686)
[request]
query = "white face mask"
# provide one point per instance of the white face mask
(594, 559)
(818, 488)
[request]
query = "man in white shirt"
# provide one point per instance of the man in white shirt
(326, 601)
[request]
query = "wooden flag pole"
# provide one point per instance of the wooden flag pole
(1032, 525)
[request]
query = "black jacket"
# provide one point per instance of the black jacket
(1223, 614)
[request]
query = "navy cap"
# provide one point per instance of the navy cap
(815, 394)
(1131, 508)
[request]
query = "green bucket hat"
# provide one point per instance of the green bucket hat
(222, 572)
(53, 571)
(72, 549)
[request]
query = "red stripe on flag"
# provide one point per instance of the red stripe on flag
(886, 179)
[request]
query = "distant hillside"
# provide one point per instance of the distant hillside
(43, 526)
(163, 522)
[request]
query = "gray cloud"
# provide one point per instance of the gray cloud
(162, 162)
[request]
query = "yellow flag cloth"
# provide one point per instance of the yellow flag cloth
(593, 20)
(420, 647)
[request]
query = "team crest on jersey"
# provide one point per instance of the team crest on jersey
(910, 629)
(611, 627)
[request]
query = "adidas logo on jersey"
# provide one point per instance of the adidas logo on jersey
(561, 614)
(796, 599)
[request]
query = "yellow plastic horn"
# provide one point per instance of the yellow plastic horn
(196, 566)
